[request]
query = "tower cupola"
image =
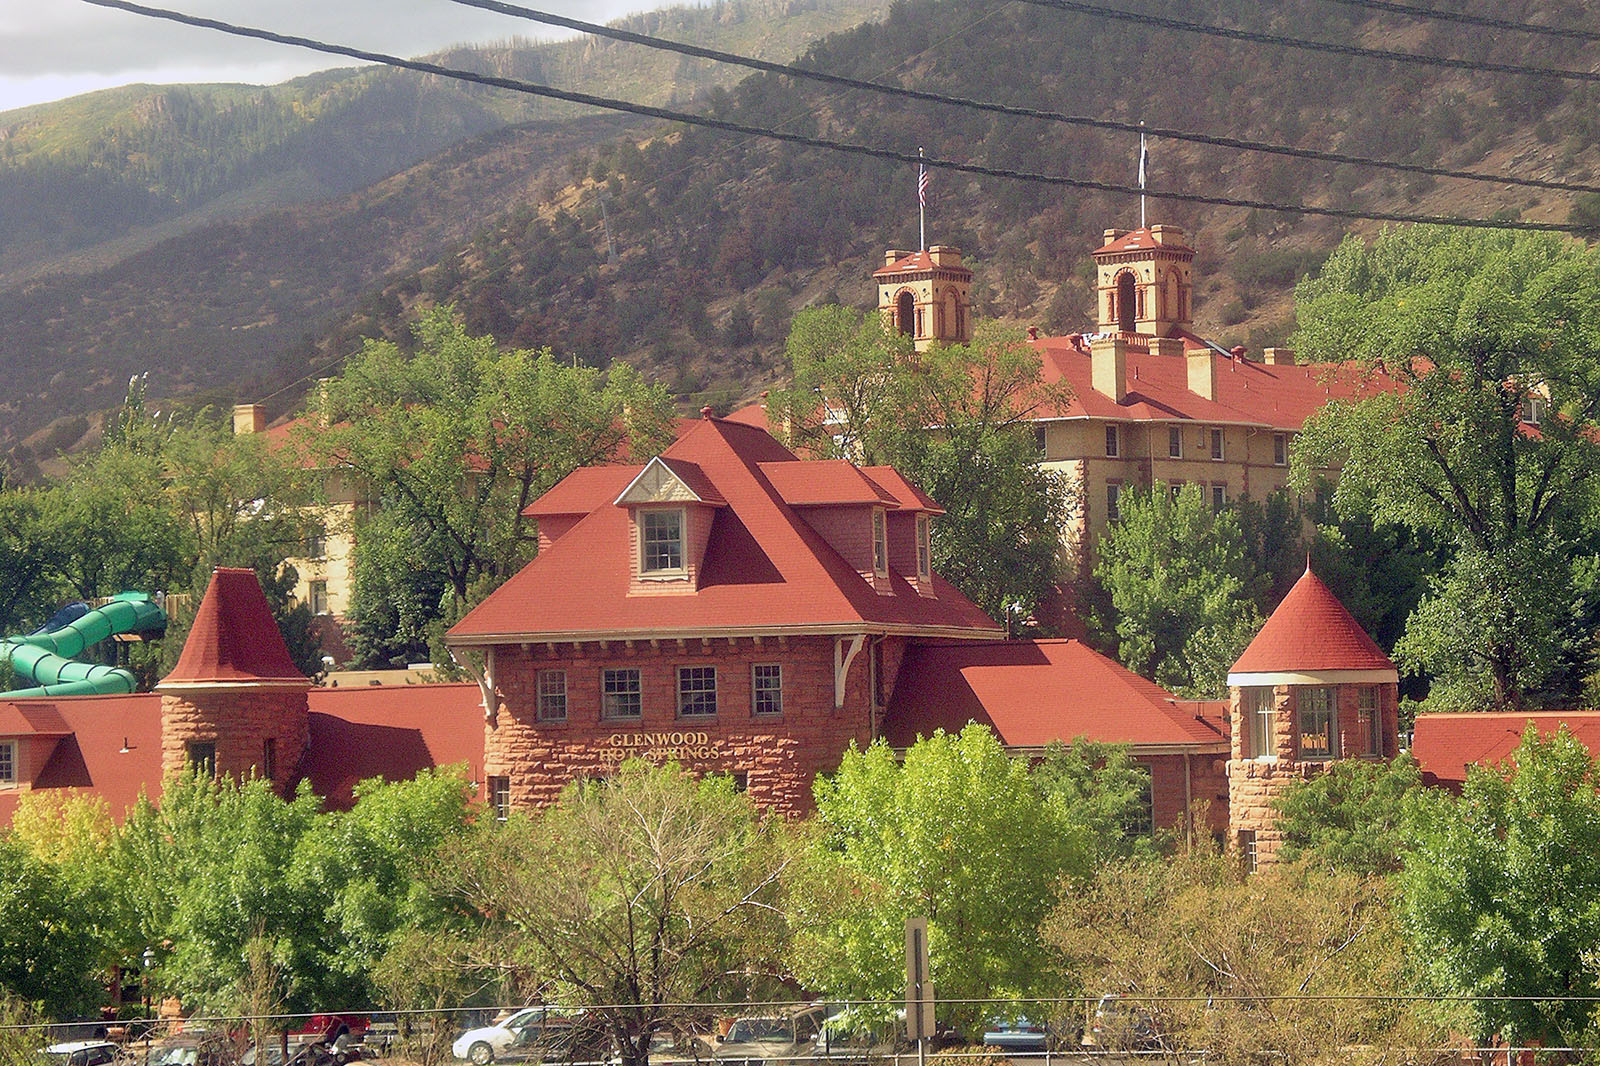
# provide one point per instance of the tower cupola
(1145, 281)
(926, 295)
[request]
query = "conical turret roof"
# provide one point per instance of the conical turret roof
(1312, 633)
(234, 640)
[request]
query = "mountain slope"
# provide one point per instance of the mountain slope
(686, 250)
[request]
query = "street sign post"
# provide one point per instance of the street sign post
(919, 985)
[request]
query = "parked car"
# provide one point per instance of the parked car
(1016, 1034)
(545, 1033)
(1118, 1025)
(84, 1053)
(760, 1040)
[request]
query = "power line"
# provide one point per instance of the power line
(1253, 37)
(1412, 10)
(793, 71)
(886, 154)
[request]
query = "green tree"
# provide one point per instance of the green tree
(1244, 967)
(631, 898)
(1105, 790)
(1483, 331)
(1350, 817)
(45, 951)
(955, 420)
(959, 833)
(1501, 893)
(1182, 588)
(457, 437)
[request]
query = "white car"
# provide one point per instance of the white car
(529, 1031)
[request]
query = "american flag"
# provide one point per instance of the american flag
(922, 186)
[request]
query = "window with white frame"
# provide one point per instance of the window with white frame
(621, 694)
(499, 789)
(1219, 495)
(1175, 442)
(318, 595)
(1041, 440)
(697, 691)
(8, 762)
(1176, 490)
(1140, 817)
(1113, 441)
(880, 542)
(766, 688)
(552, 695)
(1259, 711)
(1280, 449)
(924, 548)
(1319, 722)
(1216, 445)
(1247, 850)
(1114, 501)
(661, 542)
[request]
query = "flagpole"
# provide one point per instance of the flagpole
(922, 203)
(1141, 175)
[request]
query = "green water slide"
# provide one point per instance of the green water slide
(45, 658)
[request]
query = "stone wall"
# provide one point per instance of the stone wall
(239, 721)
(777, 755)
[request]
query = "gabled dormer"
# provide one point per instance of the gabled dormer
(671, 505)
(910, 523)
(845, 508)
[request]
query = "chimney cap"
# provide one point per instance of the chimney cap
(705, 412)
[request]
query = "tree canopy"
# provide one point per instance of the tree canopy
(455, 438)
(1182, 589)
(1501, 893)
(953, 419)
(959, 833)
(631, 898)
(1490, 443)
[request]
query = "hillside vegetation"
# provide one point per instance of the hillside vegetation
(685, 251)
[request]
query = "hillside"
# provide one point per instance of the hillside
(77, 174)
(709, 242)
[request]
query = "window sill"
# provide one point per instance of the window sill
(665, 575)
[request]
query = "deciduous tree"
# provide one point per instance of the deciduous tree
(1484, 332)
(1351, 817)
(959, 833)
(1501, 893)
(631, 898)
(1182, 589)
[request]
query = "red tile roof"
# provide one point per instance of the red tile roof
(1034, 692)
(90, 755)
(1280, 396)
(582, 491)
(765, 568)
(824, 483)
(914, 261)
(234, 638)
(392, 732)
(1444, 745)
(894, 485)
(1311, 631)
(1140, 240)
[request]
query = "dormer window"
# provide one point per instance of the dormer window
(661, 542)
(8, 762)
(924, 549)
(880, 542)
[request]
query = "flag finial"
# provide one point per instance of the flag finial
(922, 203)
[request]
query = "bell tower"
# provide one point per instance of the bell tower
(926, 295)
(1145, 281)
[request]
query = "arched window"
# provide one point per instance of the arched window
(1127, 318)
(905, 313)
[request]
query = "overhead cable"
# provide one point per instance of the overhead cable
(1416, 11)
(794, 71)
(1251, 36)
(887, 154)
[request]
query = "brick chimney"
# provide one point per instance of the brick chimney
(945, 255)
(1278, 356)
(1108, 366)
(894, 255)
(1203, 373)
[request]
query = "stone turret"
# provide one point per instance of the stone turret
(235, 702)
(1311, 688)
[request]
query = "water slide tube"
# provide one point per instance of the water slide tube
(45, 658)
